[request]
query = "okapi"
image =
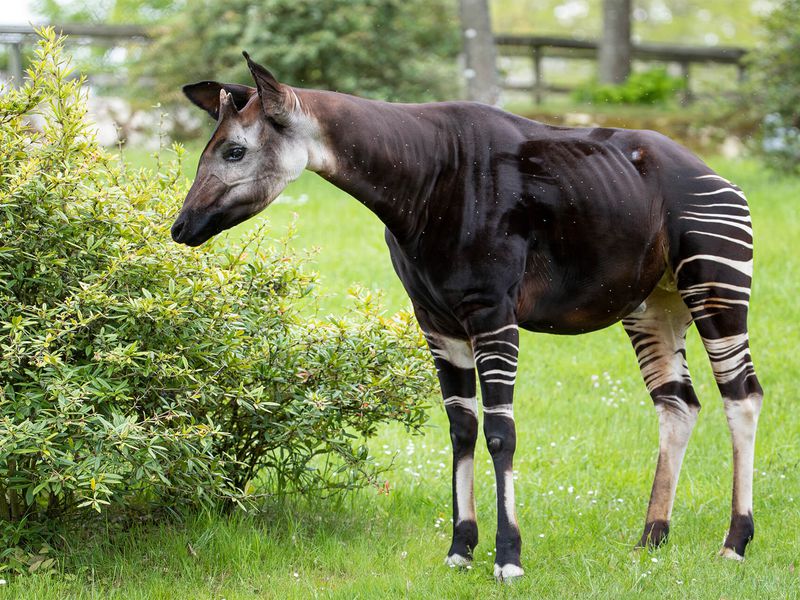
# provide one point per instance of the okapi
(496, 222)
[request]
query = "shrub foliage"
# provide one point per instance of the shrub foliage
(654, 86)
(133, 370)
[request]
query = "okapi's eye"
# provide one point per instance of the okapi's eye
(234, 153)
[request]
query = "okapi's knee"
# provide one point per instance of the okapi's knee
(501, 437)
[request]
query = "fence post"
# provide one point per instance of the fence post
(538, 81)
(687, 92)
(15, 62)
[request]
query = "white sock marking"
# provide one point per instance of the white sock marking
(508, 571)
(465, 496)
(456, 560)
(508, 501)
(743, 420)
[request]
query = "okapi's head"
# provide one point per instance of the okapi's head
(263, 140)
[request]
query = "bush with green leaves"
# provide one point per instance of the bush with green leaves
(775, 86)
(137, 372)
(654, 86)
(401, 50)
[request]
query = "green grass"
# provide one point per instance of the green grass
(586, 455)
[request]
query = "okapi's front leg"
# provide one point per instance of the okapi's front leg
(496, 351)
(456, 371)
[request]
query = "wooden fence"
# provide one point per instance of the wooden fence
(14, 37)
(537, 48)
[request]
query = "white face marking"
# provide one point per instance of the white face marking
(465, 496)
(743, 420)
(318, 156)
(453, 350)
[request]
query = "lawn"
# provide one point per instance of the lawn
(587, 442)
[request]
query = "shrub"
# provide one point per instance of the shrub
(654, 86)
(133, 370)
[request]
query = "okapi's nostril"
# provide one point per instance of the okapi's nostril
(177, 228)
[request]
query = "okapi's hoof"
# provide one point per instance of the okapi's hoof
(739, 535)
(655, 535)
(730, 553)
(507, 572)
(457, 561)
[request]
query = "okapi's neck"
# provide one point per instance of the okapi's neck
(388, 156)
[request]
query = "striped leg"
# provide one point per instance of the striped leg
(658, 336)
(714, 277)
(456, 371)
(496, 359)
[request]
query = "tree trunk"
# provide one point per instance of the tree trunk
(480, 56)
(615, 46)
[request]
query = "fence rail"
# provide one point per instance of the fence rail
(536, 47)
(540, 47)
(17, 36)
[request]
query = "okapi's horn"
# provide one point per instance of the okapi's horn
(226, 105)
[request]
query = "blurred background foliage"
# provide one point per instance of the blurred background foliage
(774, 88)
(704, 22)
(388, 49)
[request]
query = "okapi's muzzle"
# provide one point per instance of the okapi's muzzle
(193, 229)
(201, 218)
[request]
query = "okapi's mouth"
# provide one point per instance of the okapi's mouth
(195, 229)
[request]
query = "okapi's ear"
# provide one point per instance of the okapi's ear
(275, 98)
(206, 95)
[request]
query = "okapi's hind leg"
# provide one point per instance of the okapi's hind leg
(657, 332)
(714, 274)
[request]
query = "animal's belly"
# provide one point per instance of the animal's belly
(576, 298)
(568, 316)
